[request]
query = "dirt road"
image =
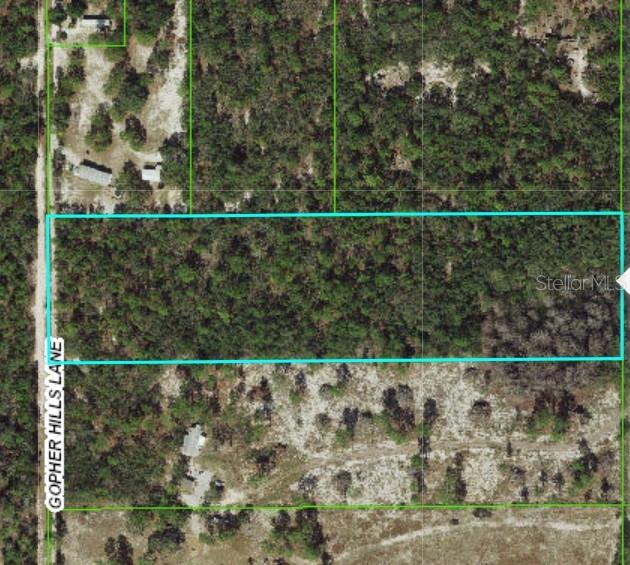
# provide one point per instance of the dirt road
(40, 268)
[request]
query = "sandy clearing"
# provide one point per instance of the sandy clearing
(380, 469)
(563, 18)
(510, 521)
(577, 56)
(97, 69)
(390, 77)
(364, 10)
(437, 74)
(139, 54)
(164, 107)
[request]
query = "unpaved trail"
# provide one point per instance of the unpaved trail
(507, 523)
(40, 271)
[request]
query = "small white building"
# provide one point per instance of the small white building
(152, 173)
(193, 441)
(97, 23)
(92, 173)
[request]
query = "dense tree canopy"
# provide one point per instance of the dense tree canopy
(18, 224)
(332, 288)
(262, 104)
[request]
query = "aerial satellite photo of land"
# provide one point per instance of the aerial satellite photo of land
(328, 282)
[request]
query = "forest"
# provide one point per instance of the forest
(380, 122)
(425, 106)
(518, 136)
(474, 116)
(112, 422)
(262, 101)
(18, 226)
(358, 287)
(499, 128)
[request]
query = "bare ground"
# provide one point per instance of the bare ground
(506, 537)
(162, 117)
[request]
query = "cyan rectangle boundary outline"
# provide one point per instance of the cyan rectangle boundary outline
(284, 215)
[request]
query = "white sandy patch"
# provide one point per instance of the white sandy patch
(76, 33)
(518, 28)
(171, 197)
(439, 74)
(364, 10)
(163, 109)
(382, 480)
(234, 496)
(196, 524)
(391, 77)
(577, 56)
(97, 69)
(564, 17)
(484, 65)
(306, 166)
(482, 475)
(456, 392)
(60, 61)
(235, 205)
(139, 54)
(29, 62)
(170, 385)
(296, 424)
(485, 479)
(604, 423)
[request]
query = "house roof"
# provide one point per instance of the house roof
(193, 441)
(96, 21)
(93, 174)
(151, 174)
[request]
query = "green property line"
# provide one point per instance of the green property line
(190, 107)
(621, 104)
(621, 208)
(47, 56)
(48, 550)
(125, 22)
(49, 45)
(351, 507)
(334, 93)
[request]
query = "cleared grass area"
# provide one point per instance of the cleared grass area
(348, 537)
